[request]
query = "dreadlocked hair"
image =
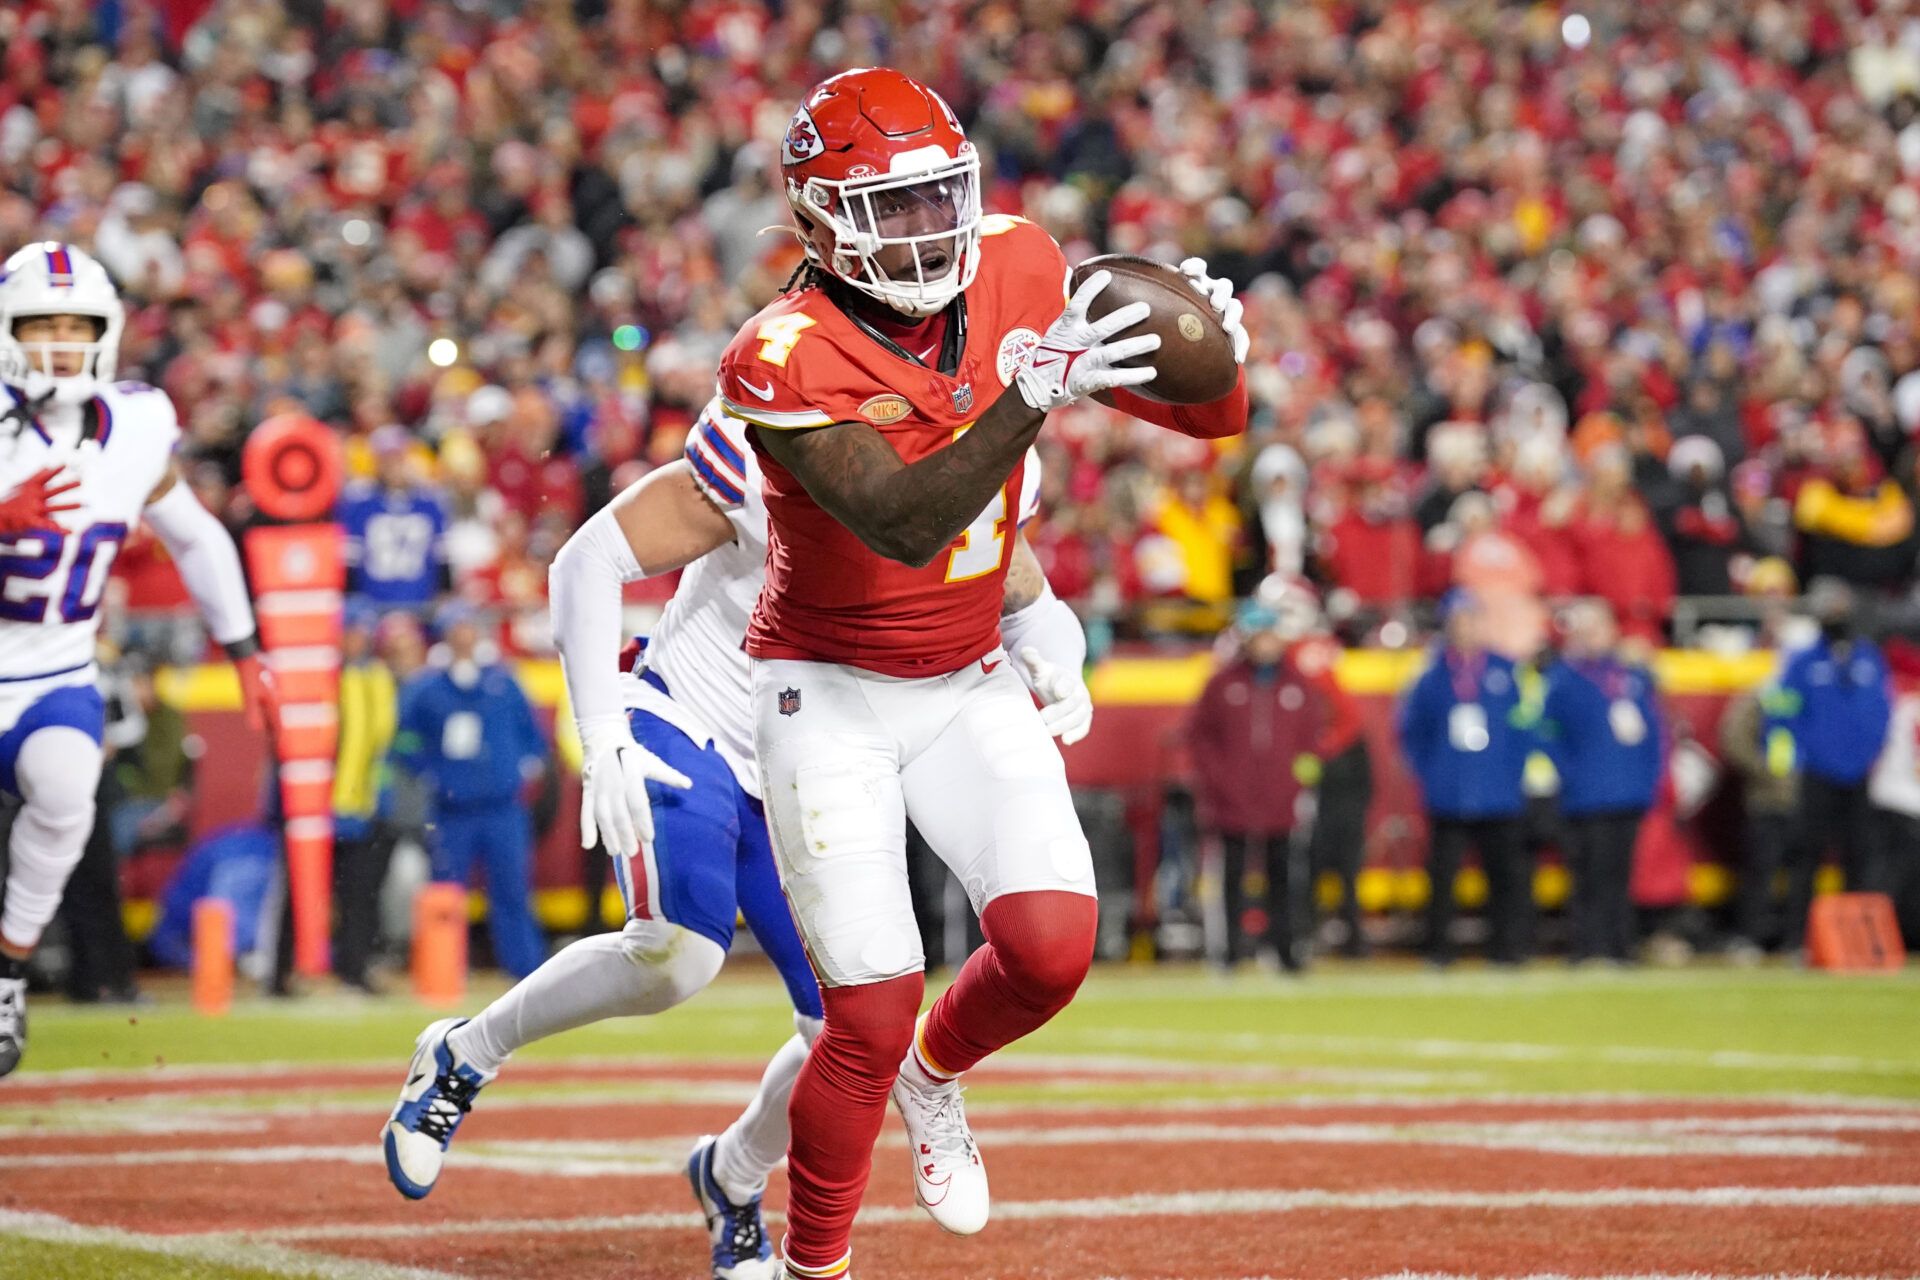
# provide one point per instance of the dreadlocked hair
(807, 275)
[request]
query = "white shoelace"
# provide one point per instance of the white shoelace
(945, 1118)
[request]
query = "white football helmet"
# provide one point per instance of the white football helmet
(55, 279)
(1294, 603)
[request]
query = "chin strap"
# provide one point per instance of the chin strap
(23, 412)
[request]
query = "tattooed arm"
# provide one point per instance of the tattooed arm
(910, 513)
(1026, 581)
(913, 513)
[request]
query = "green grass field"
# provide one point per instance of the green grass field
(1364, 1032)
(1717, 1031)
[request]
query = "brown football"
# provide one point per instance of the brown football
(1195, 359)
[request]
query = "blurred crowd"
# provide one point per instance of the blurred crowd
(1619, 301)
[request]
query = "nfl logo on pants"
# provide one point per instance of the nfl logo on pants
(789, 702)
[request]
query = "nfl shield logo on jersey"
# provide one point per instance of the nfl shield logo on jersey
(963, 397)
(789, 702)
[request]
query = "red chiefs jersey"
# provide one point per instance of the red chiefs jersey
(803, 363)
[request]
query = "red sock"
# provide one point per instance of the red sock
(839, 1102)
(1038, 948)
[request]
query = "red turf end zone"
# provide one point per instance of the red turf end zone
(1584, 1187)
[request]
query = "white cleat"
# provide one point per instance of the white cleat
(13, 1022)
(949, 1180)
(439, 1090)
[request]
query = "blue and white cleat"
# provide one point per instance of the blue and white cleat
(741, 1250)
(435, 1099)
(13, 1020)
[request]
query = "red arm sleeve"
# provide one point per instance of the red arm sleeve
(1226, 416)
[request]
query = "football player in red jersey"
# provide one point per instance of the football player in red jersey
(893, 396)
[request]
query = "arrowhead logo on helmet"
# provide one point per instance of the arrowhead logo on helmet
(885, 189)
(803, 139)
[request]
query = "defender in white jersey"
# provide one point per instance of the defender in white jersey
(83, 459)
(671, 787)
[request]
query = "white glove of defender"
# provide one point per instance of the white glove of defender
(613, 786)
(1077, 356)
(1219, 296)
(1066, 703)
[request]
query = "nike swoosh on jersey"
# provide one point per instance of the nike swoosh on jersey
(989, 666)
(765, 393)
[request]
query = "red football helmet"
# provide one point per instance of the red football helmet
(876, 161)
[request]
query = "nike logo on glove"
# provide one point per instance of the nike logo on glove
(765, 393)
(1045, 357)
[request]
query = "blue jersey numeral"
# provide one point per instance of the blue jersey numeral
(81, 579)
(29, 603)
(84, 589)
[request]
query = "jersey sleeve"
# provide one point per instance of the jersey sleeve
(1035, 264)
(717, 451)
(760, 372)
(143, 413)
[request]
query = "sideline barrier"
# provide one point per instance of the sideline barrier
(440, 944)
(1854, 933)
(212, 956)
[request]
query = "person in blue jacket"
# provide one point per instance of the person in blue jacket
(467, 730)
(1605, 733)
(1467, 727)
(1826, 714)
(395, 530)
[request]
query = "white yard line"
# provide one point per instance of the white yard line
(242, 1250)
(1181, 983)
(1065, 1067)
(1510, 1051)
(1642, 1275)
(1785, 1136)
(226, 1113)
(391, 1065)
(1149, 1059)
(1058, 1070)
(597, 1160)
(1186, 1204)
(266, 1249)
(1362, 1101)
(1542, 1139)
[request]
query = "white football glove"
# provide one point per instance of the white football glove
(1066, 703)
(613, 786)
(1077, 356)
(1219, 296)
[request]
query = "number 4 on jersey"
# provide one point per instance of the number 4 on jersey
(778, 335)
(981, 544)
